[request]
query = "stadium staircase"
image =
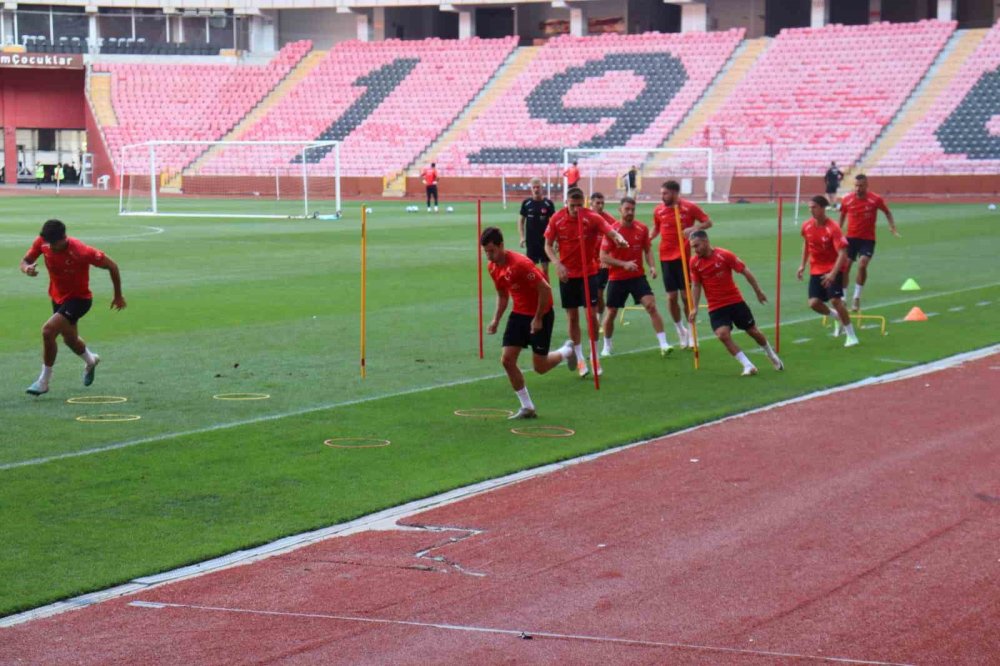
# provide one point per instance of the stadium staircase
(505, 76)
(939, 77)
(294, 77)
(100, 99)
(741, 62)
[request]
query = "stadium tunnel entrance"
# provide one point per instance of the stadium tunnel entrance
(43, 113)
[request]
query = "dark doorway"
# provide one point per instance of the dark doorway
(494, 22)
(849, 12)
(780, 14)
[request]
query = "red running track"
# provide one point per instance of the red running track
(862, 526)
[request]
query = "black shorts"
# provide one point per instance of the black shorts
(831, 190)
(602, 278)
(534, 246)
(620, 290)
(860, 247)
(73, 309)
(518, 332)
(673, 274)
(737, 314)
(571, 292)
(817, 290)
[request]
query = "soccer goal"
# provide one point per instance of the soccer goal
(703, 176)
(245, 179)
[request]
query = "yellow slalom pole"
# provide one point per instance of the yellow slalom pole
(364, 281)
(687, 284)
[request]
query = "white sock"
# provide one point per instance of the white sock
(87, 356)
(767, 349)
(661, 337)
(680, 329)
(580, 358)
(607, 344)
(565, 350)
(46, 374)
(850, 330)
(525, 399)
(857, 290)
(742, 358)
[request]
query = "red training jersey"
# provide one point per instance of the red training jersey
(824, 242)
(610, 219)
(430, 176)
(637, 235)
(572, 176)
(69, 270)
(663, 217)
(519, 278)
(862, 213)
(715, 274)
(564, 230)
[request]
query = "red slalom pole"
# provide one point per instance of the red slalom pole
(586, 299)
(479, 269)
(777, 289)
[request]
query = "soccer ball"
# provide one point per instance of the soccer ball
(450, 209)
(368, 210)
(991, 207)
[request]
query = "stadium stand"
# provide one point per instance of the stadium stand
(959, 133)
(385, 101)
(799, 107)
(196, 102)
(620, 90)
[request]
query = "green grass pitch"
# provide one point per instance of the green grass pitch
(219, 306)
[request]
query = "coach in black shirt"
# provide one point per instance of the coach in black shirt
(535, 214)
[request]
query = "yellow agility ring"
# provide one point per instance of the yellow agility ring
(108, 418)
(241, 396)
(97, 400)
(543, 431)
(484, 413)
(344, 443)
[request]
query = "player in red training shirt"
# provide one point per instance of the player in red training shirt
(712, 272)
(530, 322)
(563, 233)
(430, 178)
(572, 176)
(597, 205)
(68, 262)
(825, 248)
(859, 210)
(628, 277)
(693, 218)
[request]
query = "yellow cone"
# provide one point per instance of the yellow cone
(910, 285)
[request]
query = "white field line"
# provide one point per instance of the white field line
(387, 519)
(516, 633)
(358, 401)
(153, 231)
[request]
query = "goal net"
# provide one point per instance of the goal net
(262, 179)
(639, 172)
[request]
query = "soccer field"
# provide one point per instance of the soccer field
(272, 308)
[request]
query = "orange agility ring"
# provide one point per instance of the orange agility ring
(356, 443)
(241, 396)
(484, 413)
(543, 431)
(108, 418)
(97, 400)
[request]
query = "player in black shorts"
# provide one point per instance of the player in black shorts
(628, 276)
(712, 271)
(530, 323)
(535, 214)
(597, 205)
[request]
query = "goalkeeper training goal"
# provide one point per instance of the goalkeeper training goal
(245, 179)
(639, 172)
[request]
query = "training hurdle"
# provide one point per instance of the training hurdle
(860, 318)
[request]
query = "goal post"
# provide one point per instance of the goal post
(234, 179)
(704, 177)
